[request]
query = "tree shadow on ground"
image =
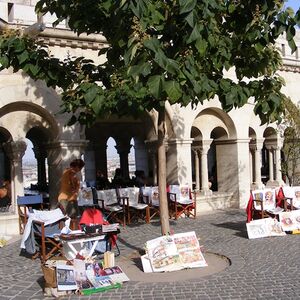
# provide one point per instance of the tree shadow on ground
(239, 227)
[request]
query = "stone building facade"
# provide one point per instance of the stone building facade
(231, 149)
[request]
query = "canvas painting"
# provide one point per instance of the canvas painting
(182, 193)
(294, 193)
(257, 229)
(163, 254)
(108, 196)
(267, 196)
(65, 277)
(96, 275)
(175, 252)
(116, 274)
(80, 274)
(85, 197)
(155, 196)
(290, 220)
(188, 248)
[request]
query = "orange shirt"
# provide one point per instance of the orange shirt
(69, 185)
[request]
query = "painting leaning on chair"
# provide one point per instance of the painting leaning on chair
(69, 188)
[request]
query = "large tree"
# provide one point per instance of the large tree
(291, 147)
(163, 50)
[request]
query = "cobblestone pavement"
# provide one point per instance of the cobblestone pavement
(265, 268)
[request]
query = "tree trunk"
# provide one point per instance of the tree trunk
(162, 178)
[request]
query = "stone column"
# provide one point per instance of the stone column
(179, 161)
(197, 168)
(270, 182)
(123, 148)
(151, 146)
(204, 168)
(256, 148)
(100, 148)
(141, 159)
(60, 154)
(15, 152)
(252, 163)
(41, 155)
(278, 165)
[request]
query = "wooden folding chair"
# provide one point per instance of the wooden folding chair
(264, 204)
(135, 209)
(41, 232)
(25, 204)
(46, 238)
(113, 207)
(150, 196)
(291, 195)
(181, 202)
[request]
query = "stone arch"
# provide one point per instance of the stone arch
(122, 130)
(214, 135)
(30, 115)
(210, 118)
(271, 157)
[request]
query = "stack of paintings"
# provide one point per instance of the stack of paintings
(172, 253)
(88, 277)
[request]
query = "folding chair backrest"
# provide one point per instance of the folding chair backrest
(292, 192)
(86, 197)
(29, 200)
(266, 196)
(91, 183)
(108, 196)
(182, 193)
(132, 193)
(154, 196)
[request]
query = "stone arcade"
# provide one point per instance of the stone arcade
(202, 142)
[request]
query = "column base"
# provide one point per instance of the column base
(205, 192)
(274, 183)
(257, 186)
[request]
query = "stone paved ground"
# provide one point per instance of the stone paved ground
(265, 268)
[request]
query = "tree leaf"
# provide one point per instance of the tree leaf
(186, 5)
(155, 85)
(173, 90)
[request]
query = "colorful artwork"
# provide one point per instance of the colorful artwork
(65, 277)
(290, 220)
(264, 228)
(292, 192)
(175, 252)
(182, 193)
(268, 198)
(85, 197)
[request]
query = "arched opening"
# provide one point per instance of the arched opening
(113, 160)
(36, 140)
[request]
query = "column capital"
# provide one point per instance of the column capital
(70, 149)
(196, 150)
(205, 146)
(272, 144)
(39, 152)
(181, 141)
(15, 150)
(123, 149)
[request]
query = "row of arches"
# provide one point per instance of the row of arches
(211, 153)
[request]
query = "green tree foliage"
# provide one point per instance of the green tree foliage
(158, 51)
(291, 146)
